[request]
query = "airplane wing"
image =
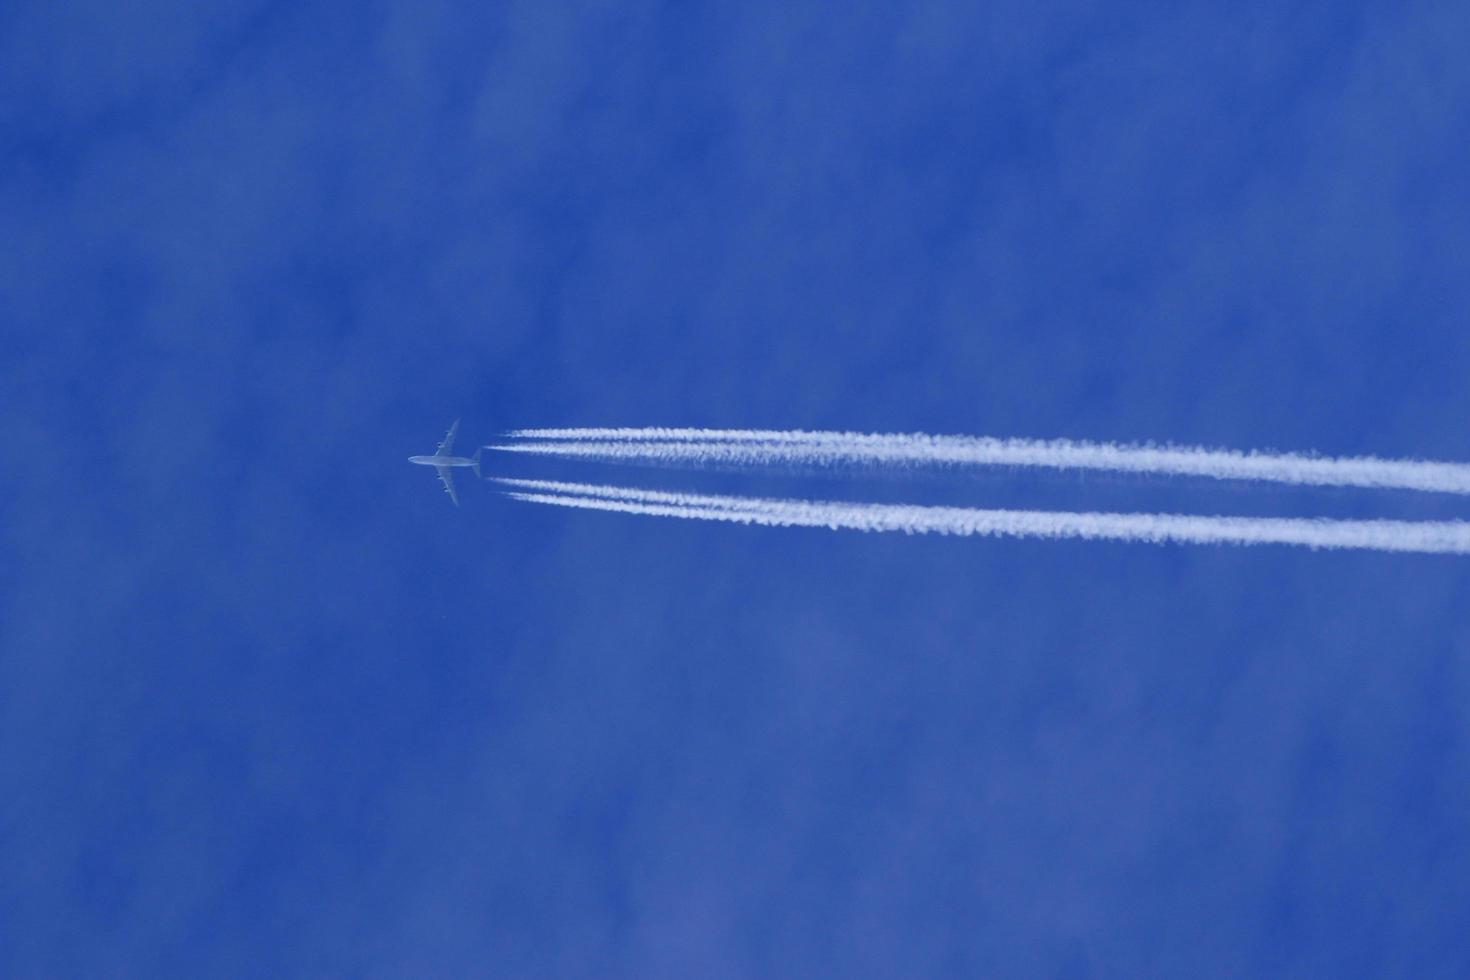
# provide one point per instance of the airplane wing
(448, 443)
(446, 477)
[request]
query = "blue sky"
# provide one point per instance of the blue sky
(270, 705)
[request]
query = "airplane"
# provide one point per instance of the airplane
(445, 463)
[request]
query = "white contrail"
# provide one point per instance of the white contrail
(755, 447)
(1434, 537)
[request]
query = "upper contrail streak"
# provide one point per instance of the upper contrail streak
(1431, 537)
(754, 447)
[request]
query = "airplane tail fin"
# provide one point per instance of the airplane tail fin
(477, 462)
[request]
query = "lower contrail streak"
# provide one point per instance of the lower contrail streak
(756, 447)
(1430, 537)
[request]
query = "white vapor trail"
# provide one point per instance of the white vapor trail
(755, 447)
(1446, 537)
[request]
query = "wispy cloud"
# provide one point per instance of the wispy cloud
(1443, 537)
(757, 447)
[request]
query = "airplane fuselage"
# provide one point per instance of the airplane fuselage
(441, 460)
